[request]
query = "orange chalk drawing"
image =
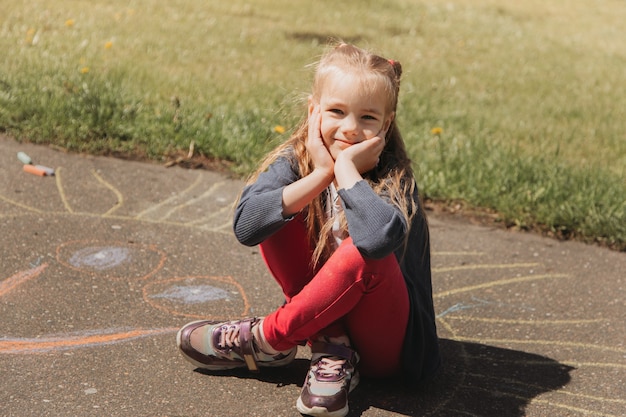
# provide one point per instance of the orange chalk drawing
(91, 338)
(10, 283)
(106, 259)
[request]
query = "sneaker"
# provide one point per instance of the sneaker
(228, 345)
(331, 377)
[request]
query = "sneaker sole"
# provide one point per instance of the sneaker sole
(322, 411)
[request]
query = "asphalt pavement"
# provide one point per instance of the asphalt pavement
(104, 261)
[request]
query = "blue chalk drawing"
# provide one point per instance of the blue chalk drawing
(100, 257)
(478, 302)
(195, 294)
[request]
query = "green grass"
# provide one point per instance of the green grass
(529, 95)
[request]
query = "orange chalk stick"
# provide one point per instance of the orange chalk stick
(32, 169)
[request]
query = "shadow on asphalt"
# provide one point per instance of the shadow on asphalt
(476, 380)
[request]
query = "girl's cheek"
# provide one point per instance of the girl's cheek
(369, 134)
(327, 141)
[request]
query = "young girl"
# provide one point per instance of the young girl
(336, 213)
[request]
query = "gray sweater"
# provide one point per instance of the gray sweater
(377, 229)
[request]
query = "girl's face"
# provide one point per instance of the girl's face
(351, 113)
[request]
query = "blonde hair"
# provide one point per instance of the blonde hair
(392, 177)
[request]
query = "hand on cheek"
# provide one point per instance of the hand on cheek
(320, 156)
(356, 160)
(364, 155)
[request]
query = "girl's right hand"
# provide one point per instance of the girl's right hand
(320, 156)
(300, 193)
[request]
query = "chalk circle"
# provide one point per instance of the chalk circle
(206, 297)
(100, 257)
(111, 260)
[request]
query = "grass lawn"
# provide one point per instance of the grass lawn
(518, 107)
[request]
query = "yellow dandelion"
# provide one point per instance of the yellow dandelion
(84, 70)
(30, 36)
(69, 23)
(436, 131)
(279, 129)
(108, 45)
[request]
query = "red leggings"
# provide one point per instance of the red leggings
(365, 299)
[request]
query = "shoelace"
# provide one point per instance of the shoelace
(229, 336)
(330, 367)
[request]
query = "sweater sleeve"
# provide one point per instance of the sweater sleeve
(259, 212)
(376, 226)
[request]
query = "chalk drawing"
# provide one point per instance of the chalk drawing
(500, 282)
(207, 297)
(91, 338)
(478, 302)
(111, 260)
(465, 307)
(19, 278)
(118, 194)
(193, 294)
(99, 257)
(203, 297)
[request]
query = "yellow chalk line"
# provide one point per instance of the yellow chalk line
(118, 194)
(570, 407)
(531, 322)
(458, 412)
(24, 206)
(498, 283)
(59, 183)
(216, 213)
(543, 402)
(540, 342)
(539, 387)
(172, 198)
(189, 202)
(447, 326)
(594, 364)
(483, 266)
(444, 253)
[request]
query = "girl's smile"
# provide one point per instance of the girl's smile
(352, 110)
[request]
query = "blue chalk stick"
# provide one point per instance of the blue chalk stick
(48, 171)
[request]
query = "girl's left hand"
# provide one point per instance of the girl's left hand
(357, 159)
(364, 155)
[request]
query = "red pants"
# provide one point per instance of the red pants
(365, 299)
